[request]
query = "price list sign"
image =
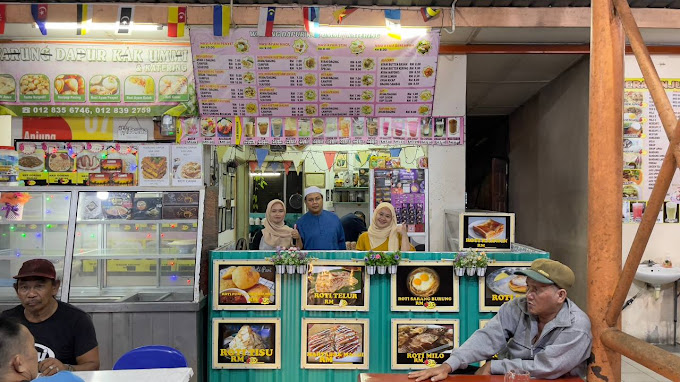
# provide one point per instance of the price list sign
(293, 74)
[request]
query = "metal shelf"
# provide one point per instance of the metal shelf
(125, 221)
(351, 188)
(37, 222)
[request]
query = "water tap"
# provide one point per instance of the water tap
(649, 263)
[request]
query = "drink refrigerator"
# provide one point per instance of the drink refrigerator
(406, 190)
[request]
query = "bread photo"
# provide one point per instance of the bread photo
(154, 167)
(245, 277)
(489, 229)
(258, 291)
(226, 284)
(227, 274)
(518, 284)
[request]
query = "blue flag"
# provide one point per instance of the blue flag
(39, 13)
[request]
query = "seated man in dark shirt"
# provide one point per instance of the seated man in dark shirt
(65, 338)
(353, 225)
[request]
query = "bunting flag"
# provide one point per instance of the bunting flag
(253, 166)
(311, 16)
(330, 158)
(298, 168)
(124, 24)
(238, 130)
(2, 18)
(274, 166)
(429, 13)
(394, 152)
(39, 13)
(221, 20)
(265, 26)
(83, 18)
(343, 12)
(363, 157)
(286, 166)
(177, 19)
(261, 155)
(393, 23)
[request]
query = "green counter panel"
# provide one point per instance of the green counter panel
(379, 314)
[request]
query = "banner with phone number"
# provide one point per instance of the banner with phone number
(86, 79)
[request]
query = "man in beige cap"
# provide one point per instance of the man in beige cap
(544, 333)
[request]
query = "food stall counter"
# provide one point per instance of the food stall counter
(365, 377)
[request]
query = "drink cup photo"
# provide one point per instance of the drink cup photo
(517, 376)
(671, 212)
(638, 209)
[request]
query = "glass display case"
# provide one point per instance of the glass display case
(122, 245)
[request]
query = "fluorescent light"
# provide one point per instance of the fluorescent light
(102, 195)
(406, 32)
(101, 26)
(270, 174)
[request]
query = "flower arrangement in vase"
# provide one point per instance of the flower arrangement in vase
(481, 262)
(459, 264)
(372, 259)
(393, 260)
(469, 262)
(291, 260)
(13, 204)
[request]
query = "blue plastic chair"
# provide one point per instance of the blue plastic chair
(151, 357)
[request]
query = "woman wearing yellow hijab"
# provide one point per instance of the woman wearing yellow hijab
(384, 234)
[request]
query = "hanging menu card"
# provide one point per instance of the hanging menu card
(644, 146)
(294, 75)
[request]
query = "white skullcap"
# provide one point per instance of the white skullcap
(312, 190)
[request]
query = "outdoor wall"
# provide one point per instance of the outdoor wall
(648, 318)
(548, 151)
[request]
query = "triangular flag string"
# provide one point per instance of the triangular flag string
(261, 156)
(330, 158)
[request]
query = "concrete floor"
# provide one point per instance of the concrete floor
(634, 372)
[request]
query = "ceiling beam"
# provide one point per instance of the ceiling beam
(541, 49)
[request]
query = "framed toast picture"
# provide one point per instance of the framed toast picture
(246, 343)
(334, 343)
(425, 286)
(487, 231)
(336, 285)
(245, 285)
(422, 343)
(501, 284)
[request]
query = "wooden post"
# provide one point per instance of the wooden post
(604, 179)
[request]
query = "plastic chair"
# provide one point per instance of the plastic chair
(151, 357)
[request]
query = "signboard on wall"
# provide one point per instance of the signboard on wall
(422, 286)
(246, 343)
(86, 79)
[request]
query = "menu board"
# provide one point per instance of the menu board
(420, 344)
(644, 146)
(334, 343)
(422, 286)
(245, 285)
(230, 130)
(488, 231)
(82, 79)
(246, 343)
(405, 189)
(291, 74)
(336, 286)
(154, 162)
(501, 284)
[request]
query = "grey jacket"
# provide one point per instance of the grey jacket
(562, 349)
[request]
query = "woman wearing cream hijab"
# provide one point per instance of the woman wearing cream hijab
(275, 232)
(384, 234)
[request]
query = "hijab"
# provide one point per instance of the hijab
(377, 236)
(276, 235)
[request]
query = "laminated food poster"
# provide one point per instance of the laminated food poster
(501, 284)
(336, 286)
(154, 165)
(422, 343)
(187, 165)
(246, 285)
(425, 287)
(246, 343)
(335, 343)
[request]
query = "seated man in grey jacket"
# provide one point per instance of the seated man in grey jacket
(544, 333)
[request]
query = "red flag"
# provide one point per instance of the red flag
(2, 18)
(330, 158)
(286, 166)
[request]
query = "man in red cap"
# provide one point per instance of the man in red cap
(64, 335)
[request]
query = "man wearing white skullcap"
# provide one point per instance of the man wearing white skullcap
(319, 229)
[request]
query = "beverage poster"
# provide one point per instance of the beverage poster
(423, 343)
(334, 343)
(501, 284)
(644, 146)
(245, 285)
(336, 286)
(425, 286)
(246, 343)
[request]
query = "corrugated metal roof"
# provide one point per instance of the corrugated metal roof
(397, 3)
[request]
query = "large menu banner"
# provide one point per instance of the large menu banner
(292, 75)
(91, 78)
(644, 145)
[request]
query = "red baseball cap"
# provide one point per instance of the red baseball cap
(37, 268)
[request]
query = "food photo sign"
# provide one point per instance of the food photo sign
(420, 344)
(79, 79)
(494, 231)
(330, 343)
(425, 286)
(246, 285)
(246, 343)
(336, 285)
(501, 284)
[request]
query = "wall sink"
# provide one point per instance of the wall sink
(657, 275)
